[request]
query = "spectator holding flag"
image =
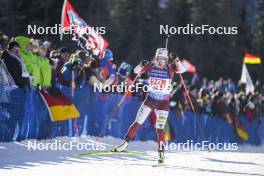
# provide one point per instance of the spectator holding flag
(107, 67)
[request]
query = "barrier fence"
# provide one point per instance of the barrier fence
(25, 116)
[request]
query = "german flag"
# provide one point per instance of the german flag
(59, 107)
(241, 132)
(168, 131)
(251, 59)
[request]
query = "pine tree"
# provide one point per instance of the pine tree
(259, 34)
(134, 28)
(259, 30)
(216, 55)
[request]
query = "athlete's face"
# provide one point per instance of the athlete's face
(161, 62)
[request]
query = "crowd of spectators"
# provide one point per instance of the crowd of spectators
(221, 98)
(35, 64)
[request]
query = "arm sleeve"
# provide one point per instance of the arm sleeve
(15, 70)
(138, 69)
(142, 69)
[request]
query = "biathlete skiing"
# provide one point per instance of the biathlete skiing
(160, 77)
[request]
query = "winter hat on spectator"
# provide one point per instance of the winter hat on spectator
(108, 55)
(47, 44)
(23, 42)
(13, 44)
(64, 50)
(54, 54)
(3, 40)
(35, 42)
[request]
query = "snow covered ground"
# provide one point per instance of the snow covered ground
(16, 160)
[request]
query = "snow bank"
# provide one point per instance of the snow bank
(16, 159)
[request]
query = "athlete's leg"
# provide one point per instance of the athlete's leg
(142, 114)
(160, 124)
(162, 116)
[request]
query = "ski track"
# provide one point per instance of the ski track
(16, 159)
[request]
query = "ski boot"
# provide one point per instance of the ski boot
(122, 147)
(161, 159)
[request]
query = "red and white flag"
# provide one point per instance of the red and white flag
(185, 66)
(188, 66)
(84, 34)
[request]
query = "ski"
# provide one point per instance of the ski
(111, 153)
(159, 165)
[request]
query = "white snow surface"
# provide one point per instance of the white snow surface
(17, 160)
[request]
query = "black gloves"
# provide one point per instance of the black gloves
(144, 63)
(172, 55)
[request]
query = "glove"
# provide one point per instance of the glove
(180, 66)
(144, 63)
(172, 55)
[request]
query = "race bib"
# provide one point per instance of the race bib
(160, 85)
